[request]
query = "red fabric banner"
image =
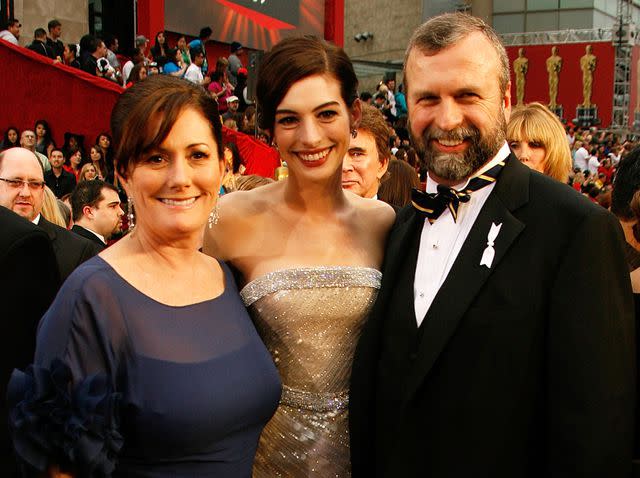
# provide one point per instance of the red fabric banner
(69, 99)
(72, 100)
(258, 158)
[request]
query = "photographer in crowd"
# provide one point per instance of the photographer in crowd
(94, 59)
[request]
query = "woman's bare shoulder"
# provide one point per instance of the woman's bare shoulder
(375, 213)
(249, 202)
(239, 214)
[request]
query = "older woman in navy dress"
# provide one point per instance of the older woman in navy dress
(147, 364)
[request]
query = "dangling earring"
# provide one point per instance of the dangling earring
(214, 216)
(130, 216)
(354, 132)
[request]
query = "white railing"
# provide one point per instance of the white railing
(557, 37)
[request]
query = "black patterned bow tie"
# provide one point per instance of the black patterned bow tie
(434, 204)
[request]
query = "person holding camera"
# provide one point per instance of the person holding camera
(95, 61)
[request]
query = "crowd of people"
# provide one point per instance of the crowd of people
(413, 298)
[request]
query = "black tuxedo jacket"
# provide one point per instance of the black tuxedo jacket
(524, 369)
(42, 48)
(70, 249)
(81, 231)
(29, 281)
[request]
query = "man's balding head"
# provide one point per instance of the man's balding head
(28, 140)
(20, 164)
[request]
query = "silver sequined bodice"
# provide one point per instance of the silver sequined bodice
(310, 320)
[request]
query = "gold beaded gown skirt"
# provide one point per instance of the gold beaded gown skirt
(310, 319)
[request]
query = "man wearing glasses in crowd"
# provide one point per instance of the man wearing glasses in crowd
(22, 191)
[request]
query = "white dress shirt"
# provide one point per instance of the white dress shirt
(8, 36)
(581, 159)
(440, 242)
(99, 236)
(194, 74)
(126, 71)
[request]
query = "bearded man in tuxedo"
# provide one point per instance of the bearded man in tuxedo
(502, 340)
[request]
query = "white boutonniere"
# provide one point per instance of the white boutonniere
(490, 252)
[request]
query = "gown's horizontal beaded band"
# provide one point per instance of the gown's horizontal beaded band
(315, 402)
(306, 278)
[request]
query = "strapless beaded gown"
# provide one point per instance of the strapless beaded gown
(310, 319)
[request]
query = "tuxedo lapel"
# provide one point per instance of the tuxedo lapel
(402, 251)
(48, 228)
(81, 231)
(467, 276)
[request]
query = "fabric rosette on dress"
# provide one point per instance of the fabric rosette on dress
(54, 422)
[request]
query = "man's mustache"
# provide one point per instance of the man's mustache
(458, 134)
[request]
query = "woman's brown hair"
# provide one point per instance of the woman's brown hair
(294, 59)
(158, 97)
(396, 190)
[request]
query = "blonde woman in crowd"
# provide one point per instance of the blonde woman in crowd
(51, 210)
(538, 139)
(87, 173)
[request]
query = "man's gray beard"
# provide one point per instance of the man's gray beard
(456, 167)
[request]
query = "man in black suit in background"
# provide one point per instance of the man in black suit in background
(28, 283)
(22, 191)
(502, 340)
(39, 44)
(97, 214)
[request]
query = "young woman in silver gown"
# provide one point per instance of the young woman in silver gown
(309, 255)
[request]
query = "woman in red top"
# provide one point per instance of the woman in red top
(74, 163)
(606, 169)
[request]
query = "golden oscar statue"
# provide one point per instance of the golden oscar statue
(554, 65)
(520, 68)
(587, 65)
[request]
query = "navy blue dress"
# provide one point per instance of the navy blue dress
(194, 384)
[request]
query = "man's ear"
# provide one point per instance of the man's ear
(506, 102)
(356, 113)
(382, 169)
(86, 211)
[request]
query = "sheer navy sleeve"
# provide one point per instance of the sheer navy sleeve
(65, 407)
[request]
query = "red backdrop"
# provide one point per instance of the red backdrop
(69, 99)
(635, 58)
(570, 82)
(72, 100)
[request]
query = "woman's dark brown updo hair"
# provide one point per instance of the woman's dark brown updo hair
(145, 113)
(294, 59)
